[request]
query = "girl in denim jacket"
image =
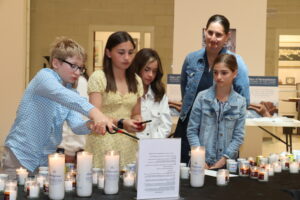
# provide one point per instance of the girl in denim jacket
(218, 115)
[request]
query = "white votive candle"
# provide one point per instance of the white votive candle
(128, 179)
(263, 175)
(10, 191)
(270, 169)
(34, 190)
(68, 185)
(3, 179)
(111, 172)
(96, 172)
(197, 166)
(56, 176)
(254, 172)
(84, 182)
(294, 167)
(22, 174)
(277, 167)
(184, 172)
(101, 180)
(231, 165)
(222, 177)
(10, 194)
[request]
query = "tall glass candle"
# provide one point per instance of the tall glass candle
(111, 172)
(84, 184)
(197, 166)
(56, 176)
(277, 167)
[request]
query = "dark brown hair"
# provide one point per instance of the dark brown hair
(141, 59)
(228, 59)
(221, 20)
(114, 40)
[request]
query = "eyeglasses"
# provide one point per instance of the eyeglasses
(74, 67)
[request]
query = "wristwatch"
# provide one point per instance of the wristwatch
(120, 124)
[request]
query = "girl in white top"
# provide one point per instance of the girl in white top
(154, 105)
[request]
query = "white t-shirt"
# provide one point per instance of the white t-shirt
(159, 113)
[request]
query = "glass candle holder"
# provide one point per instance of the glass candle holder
(70, 182)
(84, 183)
(184, 172)
(263, 175)
(56, 176)
(22, 174)
(244, 169)
(111, 172)
(294, 167)
(41, 177)
(96, 172)
(69, 167)
(257, 160)
(11, 190)
(33, 190)
(222, 177)
(231, 165)
(128, 178)
(197, 166)
(43, 168)
(273, 157)
(101, 179)
(254, 172)
(270, 169)
(251, 161)
(3, 179)
(285, 164)
(277, 167)
(28, 181)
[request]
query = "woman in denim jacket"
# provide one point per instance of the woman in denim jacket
(196, 74)
(218, 115)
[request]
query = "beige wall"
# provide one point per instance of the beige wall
(72, 18)
(13, 60)
(247, 16)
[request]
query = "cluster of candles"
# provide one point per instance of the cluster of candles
(260, 168)
(60, 177)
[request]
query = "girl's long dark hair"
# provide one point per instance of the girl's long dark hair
(141, 59)
(114, 40)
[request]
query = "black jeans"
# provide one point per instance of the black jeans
(180, 132)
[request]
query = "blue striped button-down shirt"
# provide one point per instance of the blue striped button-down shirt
(37, 129)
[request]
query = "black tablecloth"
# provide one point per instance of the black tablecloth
(283, 186)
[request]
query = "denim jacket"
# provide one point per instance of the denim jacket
(221, 137)
(191, 74)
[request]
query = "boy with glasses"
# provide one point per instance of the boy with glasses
(49, 100)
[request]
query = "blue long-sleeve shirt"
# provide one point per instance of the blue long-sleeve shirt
(37, 129)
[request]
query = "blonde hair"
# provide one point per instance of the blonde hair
(64, 47)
